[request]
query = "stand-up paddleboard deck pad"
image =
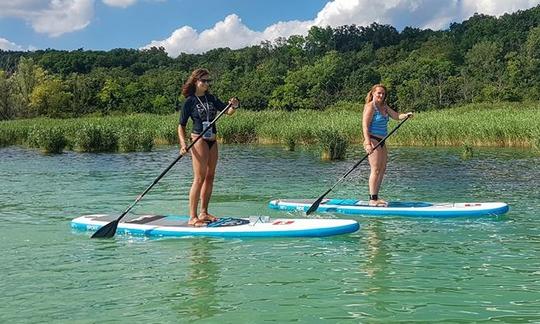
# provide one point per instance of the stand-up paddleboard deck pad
(412, 209)
(255, 226)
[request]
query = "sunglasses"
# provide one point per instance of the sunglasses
(206, 80)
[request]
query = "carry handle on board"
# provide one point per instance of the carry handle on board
(317, 202)
(109, 229)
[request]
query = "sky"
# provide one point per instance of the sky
(198, 26)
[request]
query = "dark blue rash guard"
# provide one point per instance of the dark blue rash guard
(198, 113)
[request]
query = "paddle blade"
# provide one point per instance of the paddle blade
(314, 206)
(106, 231)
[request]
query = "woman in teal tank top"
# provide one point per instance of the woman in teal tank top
(375, 128)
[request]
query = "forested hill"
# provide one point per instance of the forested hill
(483, 59)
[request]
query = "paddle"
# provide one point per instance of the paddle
(109, 229)
(317, 202)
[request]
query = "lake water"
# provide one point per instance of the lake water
(392, 269)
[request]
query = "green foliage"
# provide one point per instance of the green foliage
(110, 95)
(48, 139)
(421, 83)
(342, 105)
(10, 135)
(6, 105)
(332, 143)
(512, 125)
(481, 60)
(49, 98)
(95, 138)
(27, 77)
(133, 139)
(238, 130)
(467, 152)
(311, 87)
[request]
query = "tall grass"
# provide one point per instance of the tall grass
(332, 144)
(48, 140)
(93, 134)
(503, 125)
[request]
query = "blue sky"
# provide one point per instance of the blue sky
(197, 26)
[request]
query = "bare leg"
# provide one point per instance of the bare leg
(199, 157)
(208, 185)
(382, 169)
(377, 163)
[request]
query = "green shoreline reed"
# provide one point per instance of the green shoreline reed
(500, 125)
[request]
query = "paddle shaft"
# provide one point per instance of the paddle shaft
(315, 205)
(111, 227)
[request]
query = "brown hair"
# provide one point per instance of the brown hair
(189, 87)
(369, 97)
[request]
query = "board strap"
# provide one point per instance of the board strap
(228, 221)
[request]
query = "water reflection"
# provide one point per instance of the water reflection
(377, 255)
(199, 289)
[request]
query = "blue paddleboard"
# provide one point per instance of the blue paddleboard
(412, 209)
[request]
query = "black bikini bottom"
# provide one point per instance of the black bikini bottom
(377, 139)
(210, 143)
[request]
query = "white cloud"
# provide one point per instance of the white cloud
(230, 32)
(227, 33)
(286, 29)
(125, 3)
(9, 46)
(56, 17)
(495, 8)
(434, 14)
(119, 3)
(52, 17)
(64, 16)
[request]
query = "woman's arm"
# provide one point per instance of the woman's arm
(366, 120)
(394, 115)
(182, 139)
(220, 105)
(184, 117)
(234, 103)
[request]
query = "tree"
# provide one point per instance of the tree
(532, 67)
(483, 72)
(256, 86)
(84, 89)
(27, 77)
(49, 98)
(420, 83)
(319, 40)
(6, 109)
(110, 95)
(313, 86)
(380, 35)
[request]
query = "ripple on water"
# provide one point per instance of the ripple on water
(393, 269)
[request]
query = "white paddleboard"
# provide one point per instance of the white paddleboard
(255, 226)
(412, 209)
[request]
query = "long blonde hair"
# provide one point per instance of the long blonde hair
(369, 97)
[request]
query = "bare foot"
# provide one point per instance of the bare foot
(196, 222)
(205, 217)
(378, 203)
